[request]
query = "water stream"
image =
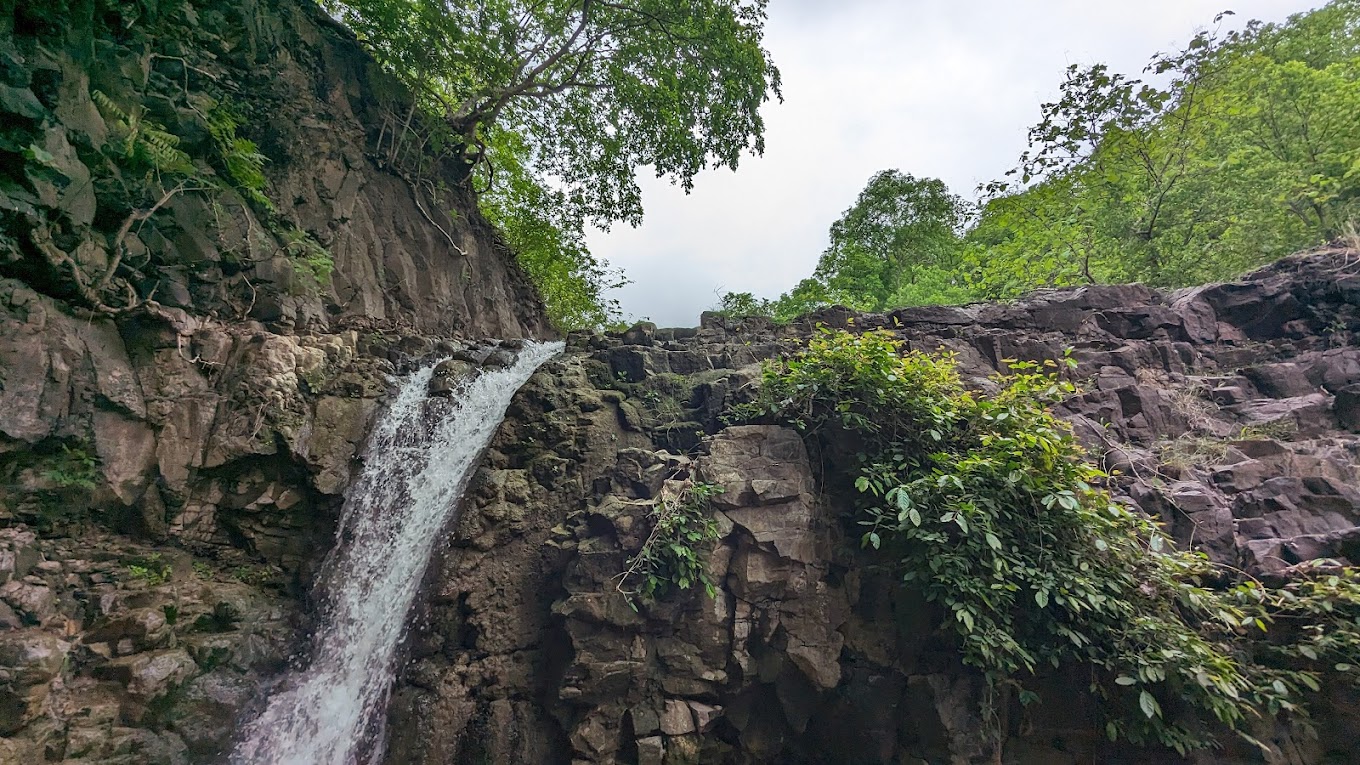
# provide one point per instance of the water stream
(417, 464)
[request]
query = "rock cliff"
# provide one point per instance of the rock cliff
(1229, 410)
(191, 356)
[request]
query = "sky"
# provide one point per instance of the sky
(936, 88)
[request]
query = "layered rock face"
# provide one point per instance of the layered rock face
(113, 651)
(182, 369)
(1228, 410)
(220, 402)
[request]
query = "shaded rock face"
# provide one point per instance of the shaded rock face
(220, 437)
(1225, 409)
(225, 413)
(121, 651)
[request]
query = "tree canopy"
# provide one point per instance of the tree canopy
(592, 89)
(1224, 156)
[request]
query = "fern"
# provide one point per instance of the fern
(144, 143)
(240, 156)
(308, 256)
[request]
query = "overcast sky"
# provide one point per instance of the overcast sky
(942, 88)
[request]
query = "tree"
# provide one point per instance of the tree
(597, 88)
(899, 227)
(548, 241)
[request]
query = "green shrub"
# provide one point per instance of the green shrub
(990, 509)
(73, 468)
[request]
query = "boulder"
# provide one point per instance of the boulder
(450, 376)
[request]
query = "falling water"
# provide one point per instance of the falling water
(416, 466)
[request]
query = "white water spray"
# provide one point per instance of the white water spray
(417, 464)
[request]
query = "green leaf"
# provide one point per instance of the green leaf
(1125, 680)
(993, 541)
(862, 484)
(1149, 705)
(1041, 597)
(903, 499)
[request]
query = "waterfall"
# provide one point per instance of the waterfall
(417, 464)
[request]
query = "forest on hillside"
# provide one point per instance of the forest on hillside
(1237, 150)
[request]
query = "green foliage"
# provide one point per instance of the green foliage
(899, 226)
(240, 157)
(597, 88)
(808, 295)
(739, 305)
(1235, 151)
(309, 258)
(548, 238)
(140, 142)
(150, 569)
(561, 102)
(899, 245)
(674, 557)
(255, 575)
(148, 148)
(73, 468)
(1226, 155)
(989, 508)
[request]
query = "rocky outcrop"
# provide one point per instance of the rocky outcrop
(1226, 411)
(221, 401)
(113, 651)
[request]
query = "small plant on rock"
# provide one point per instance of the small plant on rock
(150, 569)
(674, 557)
(73, 468)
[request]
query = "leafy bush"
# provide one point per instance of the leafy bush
(991, 510)
(240, 156)
(308, 257)
(673, 557)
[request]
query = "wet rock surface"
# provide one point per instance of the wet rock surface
(1226, 410)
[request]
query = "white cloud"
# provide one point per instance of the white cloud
(934, 88)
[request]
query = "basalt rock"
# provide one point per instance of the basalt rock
(1226, 410)
(135, 653)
